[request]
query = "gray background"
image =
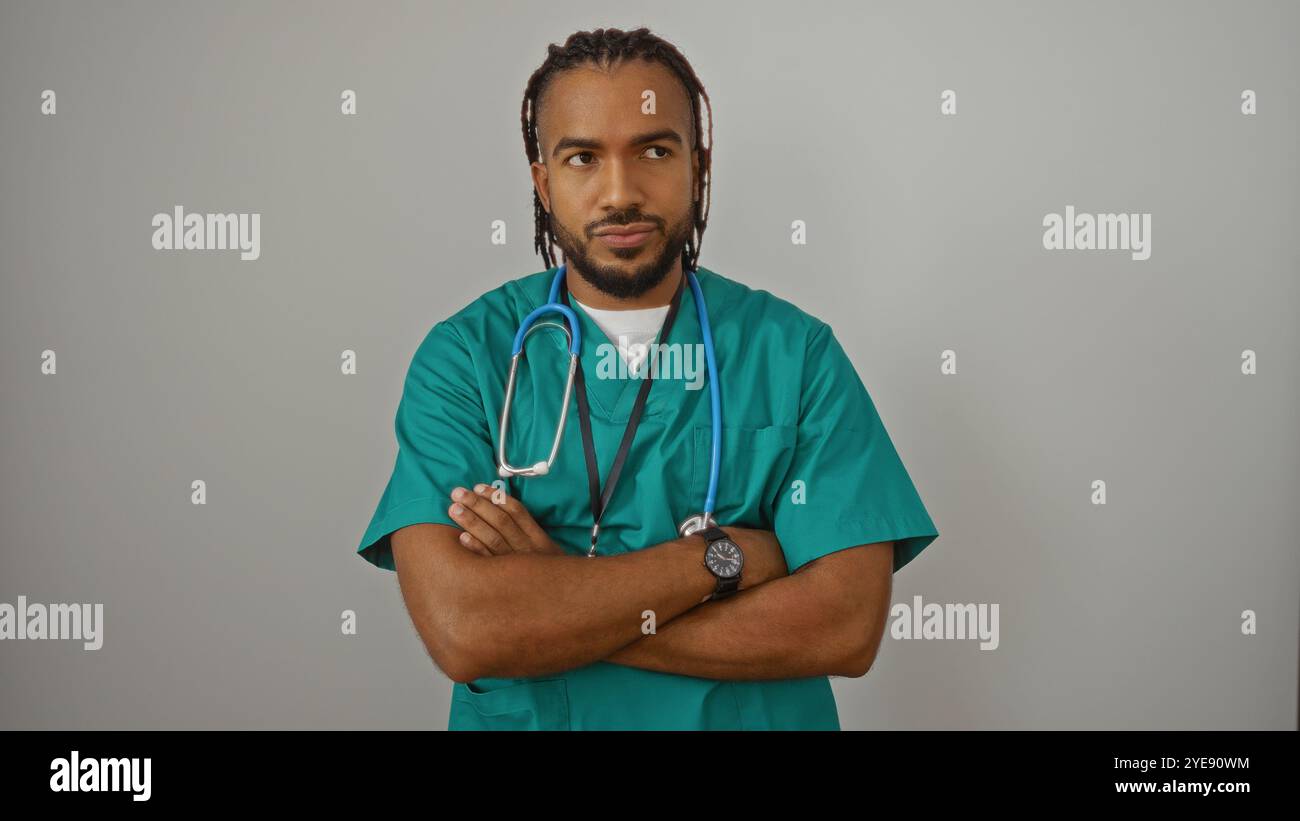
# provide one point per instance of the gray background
(924, 234)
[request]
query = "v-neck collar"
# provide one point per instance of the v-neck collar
(612, 399)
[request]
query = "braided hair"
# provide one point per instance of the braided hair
(606, 47)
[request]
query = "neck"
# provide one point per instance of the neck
(588, 294)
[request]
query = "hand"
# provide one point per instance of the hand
(495, 523)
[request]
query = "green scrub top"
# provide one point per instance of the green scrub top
(804, 454)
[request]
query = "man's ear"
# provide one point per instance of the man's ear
(541, 184)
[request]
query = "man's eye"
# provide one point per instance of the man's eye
(667, 153)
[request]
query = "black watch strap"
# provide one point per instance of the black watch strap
(725, 588)
(712, 533)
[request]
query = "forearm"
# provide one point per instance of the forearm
(514, 604)
(780, 629)
(524, 614)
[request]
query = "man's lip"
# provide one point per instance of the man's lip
(636, 240)
(634, 228)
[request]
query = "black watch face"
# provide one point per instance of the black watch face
(723, 558)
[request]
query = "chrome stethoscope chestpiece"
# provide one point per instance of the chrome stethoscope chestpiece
(695, 523)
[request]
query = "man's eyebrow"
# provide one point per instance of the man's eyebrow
(648, 137)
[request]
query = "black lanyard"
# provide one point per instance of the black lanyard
(599, 500)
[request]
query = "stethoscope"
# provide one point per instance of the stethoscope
(573, 333)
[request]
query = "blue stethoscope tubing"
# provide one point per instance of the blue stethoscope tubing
(715, 401)
(572, 329)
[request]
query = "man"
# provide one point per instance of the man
(812, 496)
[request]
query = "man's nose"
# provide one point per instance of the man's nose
(620, 187)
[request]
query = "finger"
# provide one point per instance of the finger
(519, 515)
(494, 515)
(474, 545)
(517, 512)
(471, 523)
(498, 495)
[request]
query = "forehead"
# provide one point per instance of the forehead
(606, 104)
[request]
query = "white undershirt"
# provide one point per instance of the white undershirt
(632, 330)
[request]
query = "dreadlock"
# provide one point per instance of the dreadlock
(605, 47)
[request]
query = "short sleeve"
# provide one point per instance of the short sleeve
(855, 489)
(442, 441)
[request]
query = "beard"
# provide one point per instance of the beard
(615, 280)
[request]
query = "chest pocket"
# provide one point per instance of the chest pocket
(754, 465)
(536, 704)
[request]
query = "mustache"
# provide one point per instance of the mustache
(612, 223)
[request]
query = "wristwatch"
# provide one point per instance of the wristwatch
(724, 559)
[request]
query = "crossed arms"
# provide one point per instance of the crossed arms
(498, 598)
